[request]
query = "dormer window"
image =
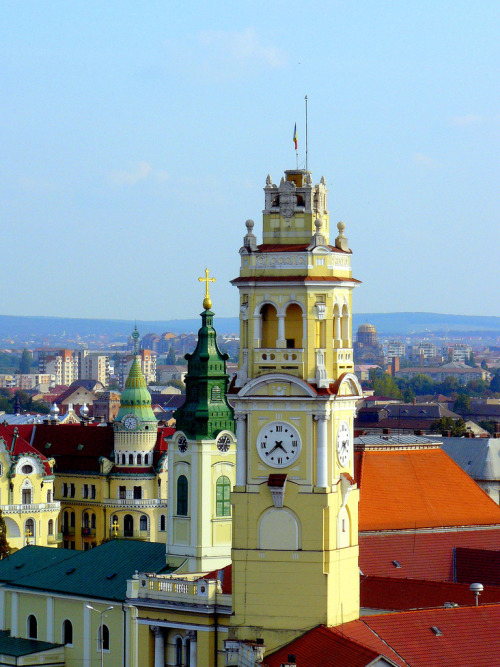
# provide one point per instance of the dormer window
(27, 469)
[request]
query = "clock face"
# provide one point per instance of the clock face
(223, 443)
(278, 444)
(344, 444)
(182, 444)
(130, 422)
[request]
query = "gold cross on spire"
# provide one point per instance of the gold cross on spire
(207, 303)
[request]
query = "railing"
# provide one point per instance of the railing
(88, 532)
(31, 507)
(55, 538)
(284, 360)
(175, 589)
(129, 534)
(141, 502)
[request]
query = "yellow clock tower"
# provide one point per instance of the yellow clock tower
(295, 502)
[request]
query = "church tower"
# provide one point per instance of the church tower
(135, 424)
(295, 502)
(201, 459)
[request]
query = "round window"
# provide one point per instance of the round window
(27, 469)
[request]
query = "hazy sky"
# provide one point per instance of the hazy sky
(136, 137)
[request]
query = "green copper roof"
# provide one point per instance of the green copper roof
(135, 398)
(98, 573)
(206, 411)
(17, 646)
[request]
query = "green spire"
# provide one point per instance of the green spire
(135, 398)
(206, 411)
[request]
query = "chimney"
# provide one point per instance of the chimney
(291, 661)
(418, 431)
(386, 431)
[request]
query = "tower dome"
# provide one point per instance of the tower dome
(367, 334)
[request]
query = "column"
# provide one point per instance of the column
(50, 619)
(321, 450)
(159, 645)
(193, 648)
(241, 449)
(304, 331)
(257, 330)
(281, 342)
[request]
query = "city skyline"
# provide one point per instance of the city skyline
(137, 138)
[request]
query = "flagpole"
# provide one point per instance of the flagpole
(306, 134)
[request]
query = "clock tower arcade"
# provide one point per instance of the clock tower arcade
(295, 502)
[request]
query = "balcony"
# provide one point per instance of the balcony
(135, 502)
(88, 532)
(56, 538)
(279, 360)
(129, 534)
(29, 508)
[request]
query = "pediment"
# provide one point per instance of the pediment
(277, 384)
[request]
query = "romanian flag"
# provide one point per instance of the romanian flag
(295, 136)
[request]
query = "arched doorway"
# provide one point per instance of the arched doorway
(128, 525)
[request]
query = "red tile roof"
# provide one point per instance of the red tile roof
(328, 647)
(469, 636)
(418, 488)
(22, 446)
(224, 576)
(403, 594)
(73, 446)
(421, 555)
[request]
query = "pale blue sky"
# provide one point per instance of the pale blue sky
(136, 137)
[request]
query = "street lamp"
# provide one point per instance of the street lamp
(101, 614)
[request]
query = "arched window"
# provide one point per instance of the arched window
(72, 520)
(139, 459)
(92, 521)
(85, 520)
(178, 651)
(188, 652)
(124, 460)
(65, 521)
(32, 627)
(336, 324)
(345, 326)
(67, 632)
(182, 496)
(293, 326)
(269, 326)
(222, 496)
(50, 495)
(130, 460)
(143, 522)
(163, 522)
(105, 638)
(50, 529)
(146, 459)
(29, 528)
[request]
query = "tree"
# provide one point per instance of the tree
(384, 384)
(462, 404)
(495, 381)
(4, 545)
(470, 361)
(484, 365)
(456, 427)
(178, 384)
(171, 357)
(25, 362)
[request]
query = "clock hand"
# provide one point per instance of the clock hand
(278, 444)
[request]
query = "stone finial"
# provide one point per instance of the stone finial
(309, 179)
(341, 241)
(318, 238)
(250, 240)
(269, 180)
(322, 181)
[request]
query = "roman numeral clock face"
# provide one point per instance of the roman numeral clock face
(278, 444)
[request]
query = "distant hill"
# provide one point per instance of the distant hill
(385, 323)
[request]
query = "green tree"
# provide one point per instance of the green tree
(470, 361)
(4, 545)
(484, 365)
(462, 404)
(384, 384)
(495, 381)
(25, 362)
(456, 427)
(489, 426)
(178, 384)
(422, 384)
(171, 357)
(408, 395)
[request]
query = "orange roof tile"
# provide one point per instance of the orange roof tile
(429, 555)
(418, 488)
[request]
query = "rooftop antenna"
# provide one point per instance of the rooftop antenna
(476, 589)
(306, 132)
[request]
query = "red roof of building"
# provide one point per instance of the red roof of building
(404, 594)
(422, 555)
(22, 446)
(455, 637)
(418, 488)
(327, 647)
(73, 446)
(224, 576)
